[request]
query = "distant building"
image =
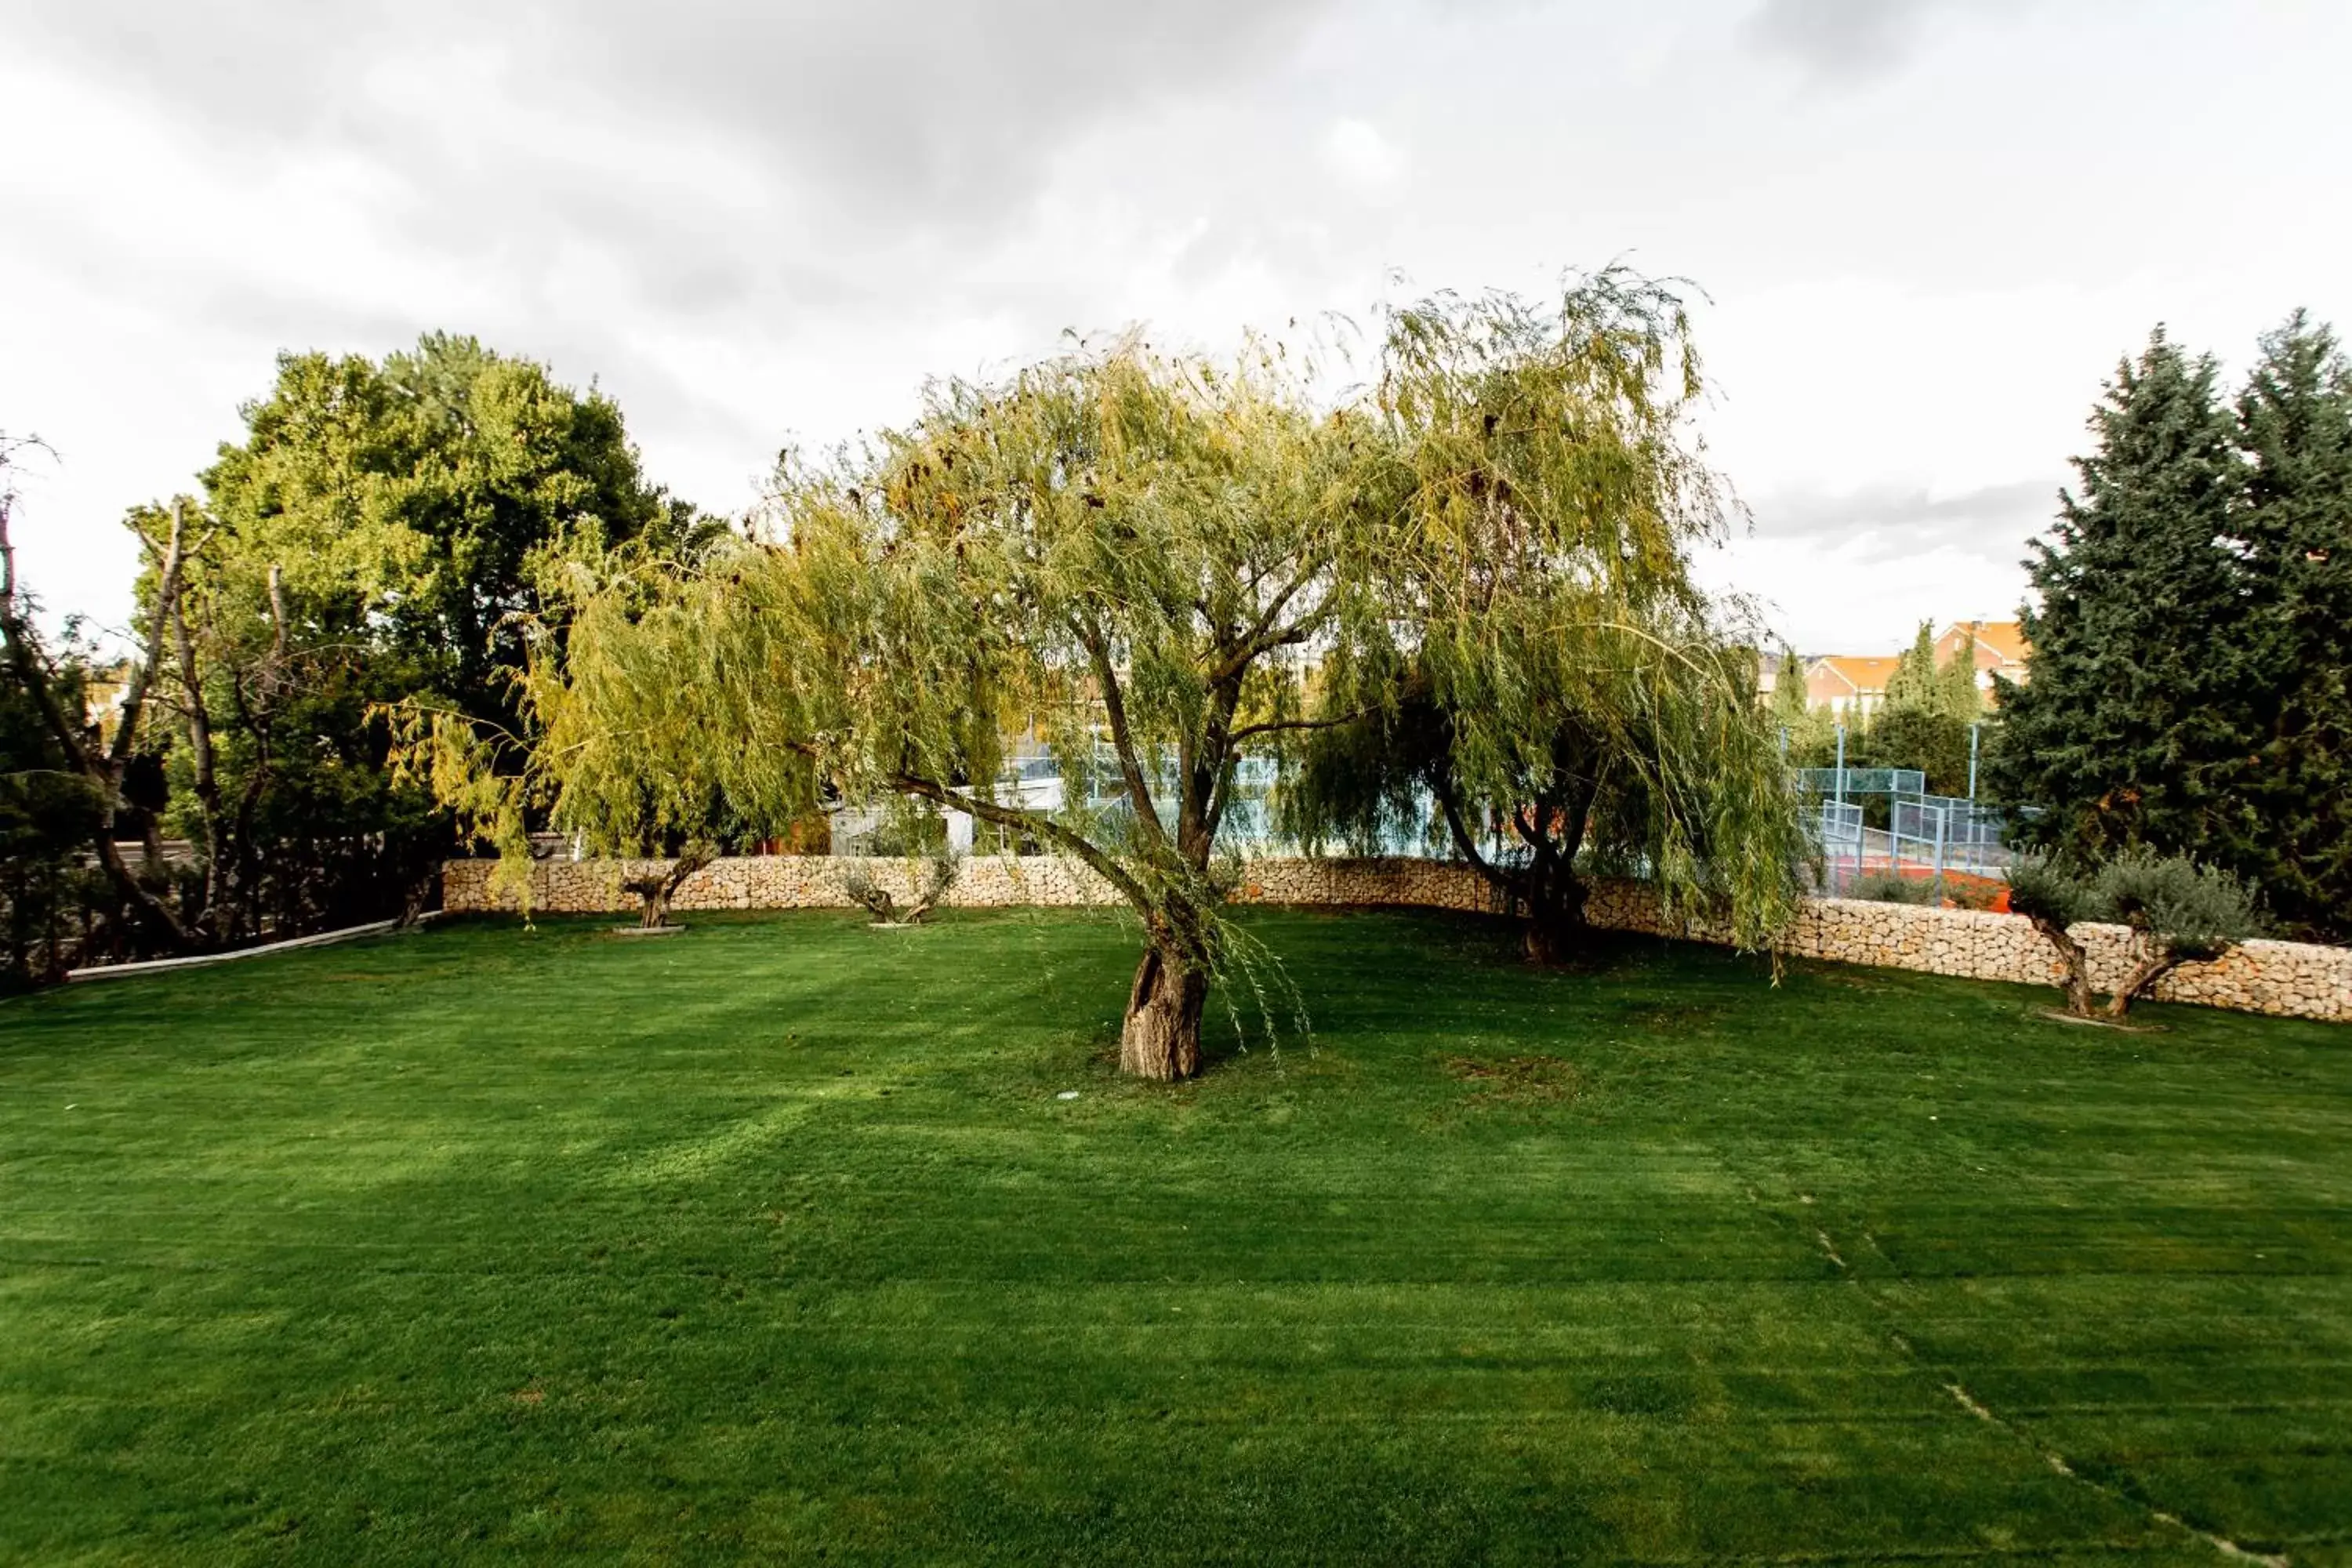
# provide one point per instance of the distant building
(1999, 648)
(1851, 686)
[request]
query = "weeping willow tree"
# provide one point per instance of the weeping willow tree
(1570, 694)
(1619, 747)
(600, 748)
(1161, 564)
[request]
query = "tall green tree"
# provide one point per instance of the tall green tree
(2142, 663)
(1958, 691)
(2295, 424)
(1138, 553)
(371, 540)
(1789, 706)
(407, 498)
(1920, 726)
(1913, 682)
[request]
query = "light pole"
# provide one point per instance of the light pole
(1973, 732)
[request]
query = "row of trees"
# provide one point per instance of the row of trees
(370, 541)
(1923, 723)
(437, 594)
(2192, 663)
(1458, 596)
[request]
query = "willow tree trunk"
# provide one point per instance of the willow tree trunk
(1161, 1037)
(1557, 929)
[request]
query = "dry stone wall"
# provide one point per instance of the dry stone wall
(2282, 978)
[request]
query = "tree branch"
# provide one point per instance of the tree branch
(1450, 805)
(1036, 821)
(1131, 766)
(1262, 638)
(143, 674)
(1274, 726)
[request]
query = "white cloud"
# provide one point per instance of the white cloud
(1360, 155)
(750, 232)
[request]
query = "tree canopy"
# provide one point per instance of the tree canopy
(1160, 563)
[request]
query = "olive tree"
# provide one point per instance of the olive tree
(1160, 563)
(2178, 911)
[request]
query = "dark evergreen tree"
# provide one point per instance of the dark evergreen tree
(2141, 702)
(2296, 418)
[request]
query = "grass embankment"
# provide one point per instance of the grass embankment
(776, 1240)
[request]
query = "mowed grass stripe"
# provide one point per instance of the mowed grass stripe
(775, 1240)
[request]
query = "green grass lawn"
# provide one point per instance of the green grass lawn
(775, 1241)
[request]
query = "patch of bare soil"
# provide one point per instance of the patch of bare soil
(2059, 1015)
(1527, 1080)
(1677, 1020)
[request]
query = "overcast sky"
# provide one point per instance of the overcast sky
(1928, 228)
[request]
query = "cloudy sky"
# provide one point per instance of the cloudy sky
(1928, 228)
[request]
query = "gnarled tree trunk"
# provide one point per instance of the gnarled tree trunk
(2075, 977)
(1161, 1037)
(2152, 960)
(656, 888)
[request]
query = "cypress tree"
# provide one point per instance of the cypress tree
(1957, 682)
(2296, 422)
(2139, 705)
(1789, 709)
(1913, 683)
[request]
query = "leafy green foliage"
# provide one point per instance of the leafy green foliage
(1164, 565)
(406, 500)
(1659, 764)
(1791, 712)
(373, 541)
(2044, 889)
(2194, 911)
(2188, 690)
(1893, 888)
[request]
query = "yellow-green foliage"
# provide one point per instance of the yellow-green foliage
(1149, 548)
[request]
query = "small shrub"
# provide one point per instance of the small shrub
(2044, 889)
(2179, 911)
(1892, 888)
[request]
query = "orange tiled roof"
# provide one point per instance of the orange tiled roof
(2005, 638)
(1863, 672)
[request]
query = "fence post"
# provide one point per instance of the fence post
(1942, 813)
